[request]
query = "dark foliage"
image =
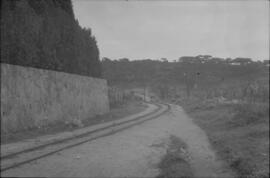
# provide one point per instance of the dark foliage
(44, 34)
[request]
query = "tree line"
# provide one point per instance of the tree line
(200, 69)
(44, 34)
(199, 76)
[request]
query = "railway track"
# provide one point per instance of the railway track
(16, 159)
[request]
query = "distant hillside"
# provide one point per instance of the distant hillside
(203, 78)
(156, 72)
(45, 34)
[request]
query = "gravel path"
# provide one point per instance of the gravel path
(131, 152)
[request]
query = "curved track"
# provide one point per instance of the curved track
(26, 156)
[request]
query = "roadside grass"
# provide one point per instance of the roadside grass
(115, 113)
(174, 163)
(238, 132)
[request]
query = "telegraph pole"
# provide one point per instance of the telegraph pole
(144, 92)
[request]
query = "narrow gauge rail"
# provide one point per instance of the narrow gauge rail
(19, 158)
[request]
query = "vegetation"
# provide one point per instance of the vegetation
(119, 97)
(202, 76)
(228, 99)
(44, 34)
(238, 132)
(175, 162)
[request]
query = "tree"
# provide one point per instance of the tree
(123, 60)
(266, 62)
(186, 59)
(164, 59)
(105, 59)
(242, 60)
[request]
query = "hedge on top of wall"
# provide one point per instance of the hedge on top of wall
(44, 34)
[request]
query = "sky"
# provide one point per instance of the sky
(142, 29)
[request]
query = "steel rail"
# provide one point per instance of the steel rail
(40, 147)
(8, 156)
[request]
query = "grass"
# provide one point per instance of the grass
(174, 163)
(115, 113)
(238, 132)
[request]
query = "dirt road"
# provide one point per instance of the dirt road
(131, 152)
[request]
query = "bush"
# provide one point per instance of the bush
(251, 113)
(243, 166)
(118, 97)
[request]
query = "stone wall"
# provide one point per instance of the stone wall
(33, 97)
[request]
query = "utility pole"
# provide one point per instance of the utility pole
(187, 84)
(144, 92)
(144, 89)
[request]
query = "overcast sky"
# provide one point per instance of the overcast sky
(155, 29)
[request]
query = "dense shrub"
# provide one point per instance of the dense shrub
(118, 97)
(44, 34)
(249, 113)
